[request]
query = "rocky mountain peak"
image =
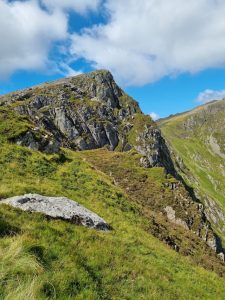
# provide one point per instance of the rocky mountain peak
(97, 85)
(84, 112)
(100, 85)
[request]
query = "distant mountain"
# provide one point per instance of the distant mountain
(197, 140)
(162, 120)
(85, 139)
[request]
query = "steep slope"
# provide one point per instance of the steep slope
(197, 140)
(132, 188)
(53, 259)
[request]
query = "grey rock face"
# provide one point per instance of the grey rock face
(81, 113)
(102, 87)
(58, 208)
(44, 143)
(85, 112)
(171, 215)
(154, 149)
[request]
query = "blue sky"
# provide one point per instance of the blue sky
(168, 55)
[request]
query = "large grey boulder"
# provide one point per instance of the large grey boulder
(58, 208)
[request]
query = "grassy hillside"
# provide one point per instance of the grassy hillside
(53, 259)
(197, 137)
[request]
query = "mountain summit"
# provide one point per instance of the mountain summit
(86, 112)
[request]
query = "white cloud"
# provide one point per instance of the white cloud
(141, 42)
(209, 95)
(80, 6)
(27, 33)
(154, 116)
(146, 40)
(68, 71)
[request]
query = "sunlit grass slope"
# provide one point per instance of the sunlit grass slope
(53, 259)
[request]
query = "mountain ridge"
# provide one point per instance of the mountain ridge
(191, 111)
(200, 156)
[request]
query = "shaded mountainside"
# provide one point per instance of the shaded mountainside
(134, 188)
(197, 140)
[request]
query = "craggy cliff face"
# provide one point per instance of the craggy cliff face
(87, 112)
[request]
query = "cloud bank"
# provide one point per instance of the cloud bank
(29, 30)
(140, 41)
(27, 33)
(146, 40)
(80, 6)
(154, 116)
(209, 95)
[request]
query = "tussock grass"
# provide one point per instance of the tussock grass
(19, 270)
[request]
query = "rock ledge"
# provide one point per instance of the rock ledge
(58, 208)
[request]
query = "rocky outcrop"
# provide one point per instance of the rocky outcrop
(82, 112)
(171, 215)
(58, 208)
(152, 146)
(189, 213)
(199, 226)
(42, 143)
(85, 112)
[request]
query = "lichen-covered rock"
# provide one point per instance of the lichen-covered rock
(42, 143)
(171, 215)
(58, 207)
(153, 147)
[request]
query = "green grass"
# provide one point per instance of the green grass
(149, 190)
(53, 259)
(12, 125)
(204, 169)
(139, 122)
